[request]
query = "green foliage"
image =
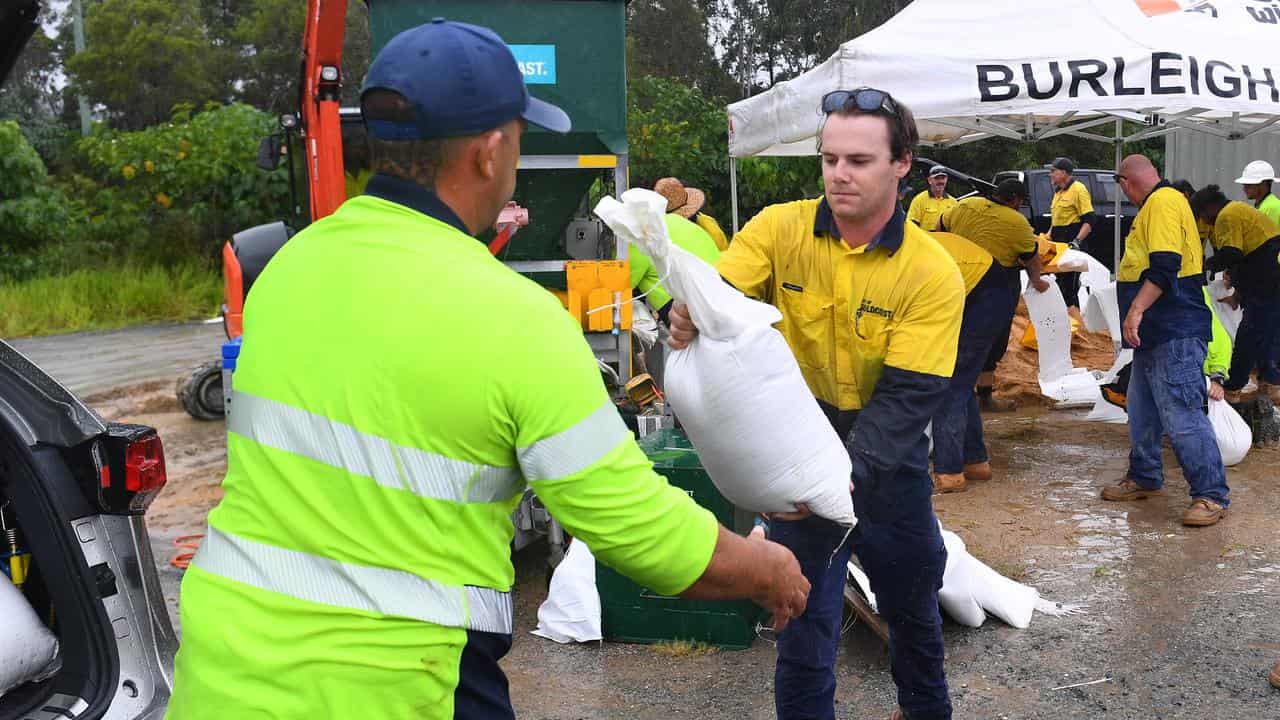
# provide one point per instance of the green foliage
(108, 297)
(190, 183)
(676, 131)
(144, 57)
(31, 212)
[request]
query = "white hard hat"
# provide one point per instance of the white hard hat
(1256, 172)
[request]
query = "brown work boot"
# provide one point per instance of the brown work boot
(897, 715)
(977, 472)
(1203, 512)
(1275, 676)
(1127, 489)
(1234, 397)
(948, 482)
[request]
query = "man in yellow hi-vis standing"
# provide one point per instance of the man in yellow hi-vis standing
(871, 308)
(1071, 220)
(1167, 323)
(398, 390)
(929, 205)
(995, 225)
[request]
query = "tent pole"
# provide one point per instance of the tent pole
(1119, 243)
(733, 190)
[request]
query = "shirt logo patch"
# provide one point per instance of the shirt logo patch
(868, 308)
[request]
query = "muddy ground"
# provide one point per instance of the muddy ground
(1184, 622)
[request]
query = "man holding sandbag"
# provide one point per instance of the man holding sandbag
(871, 308)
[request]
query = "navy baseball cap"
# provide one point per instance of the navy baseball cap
(460, 79)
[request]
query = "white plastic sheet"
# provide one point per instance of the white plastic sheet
(28, 650)
(571, 612)
(736, 388)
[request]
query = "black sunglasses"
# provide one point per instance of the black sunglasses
(863, 99)
(1118, 177)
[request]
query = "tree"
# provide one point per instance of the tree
(143, 57)
(32, 97)
(269, 36)
(669, 39)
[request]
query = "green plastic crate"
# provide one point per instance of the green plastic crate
(635, 614)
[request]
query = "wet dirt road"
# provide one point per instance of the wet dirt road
(95, 361)
(1183, 622)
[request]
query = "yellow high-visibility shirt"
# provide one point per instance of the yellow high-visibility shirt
(847, 313)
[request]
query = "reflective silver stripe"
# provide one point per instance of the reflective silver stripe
(284, 427)
(325, 581)
(575, 449)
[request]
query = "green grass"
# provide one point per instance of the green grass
(108, 297)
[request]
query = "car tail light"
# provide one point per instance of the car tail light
(131, 471)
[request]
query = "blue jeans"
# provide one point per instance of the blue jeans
(900, 548)
(957, 426)
(1167, 395)
(1257, 344)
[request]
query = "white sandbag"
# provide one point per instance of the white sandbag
(956, 597)
(737, 389)
(1231, 431)
(571, 612)
(1229, 317)
(975, 588)
(28, 650)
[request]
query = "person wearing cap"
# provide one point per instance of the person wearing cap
(929, 205)
(400, 390)
(871, 309)
(1246, 245)
(1256, 179)
(1166, 322)
(1071, 219)
(688, 203)
(997, 226)
(959, 449)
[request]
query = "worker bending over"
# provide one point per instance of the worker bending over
(996, 226)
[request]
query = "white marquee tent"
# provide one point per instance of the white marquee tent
(1034, 69)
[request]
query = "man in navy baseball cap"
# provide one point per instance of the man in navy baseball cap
(445, 105)
(460, 80)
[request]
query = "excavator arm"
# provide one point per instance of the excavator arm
(321, 85)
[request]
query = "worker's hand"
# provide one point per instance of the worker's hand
(1040, 284)
(683, 331)
(1217, 392)
(1232, 300)
(784, 591)
(1130, 327)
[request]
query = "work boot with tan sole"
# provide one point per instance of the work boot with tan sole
(988, 403)
(1275, 676)
(1203, 513)
(897, 715)
(1126, 490)
(948, 483)
(977, 472)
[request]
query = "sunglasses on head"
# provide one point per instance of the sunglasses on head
(862, 100)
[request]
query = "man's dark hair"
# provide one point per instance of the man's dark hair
(1184, 186)
(416, 160)
(903, 135)
(1009, 190)
(1210, 196)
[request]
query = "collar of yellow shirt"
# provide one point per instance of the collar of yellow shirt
(890, 238)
